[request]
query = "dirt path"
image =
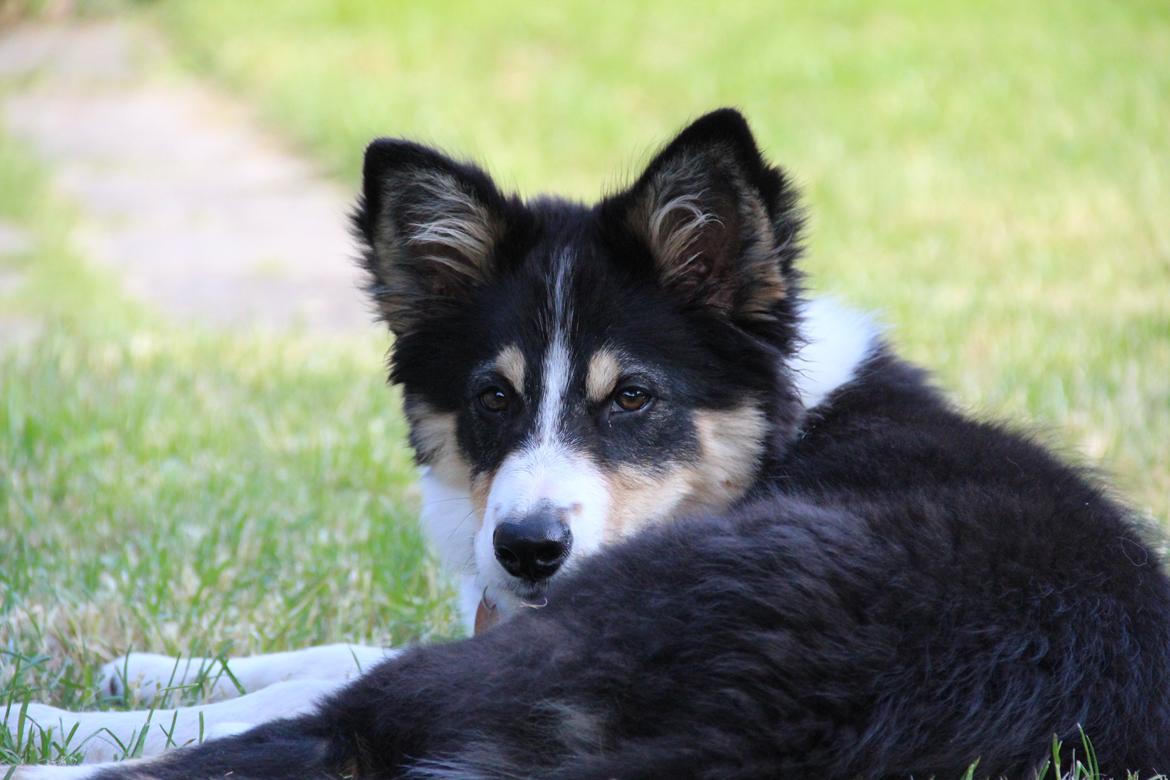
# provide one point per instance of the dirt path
(201, 212)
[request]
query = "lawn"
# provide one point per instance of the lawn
(992, 179)
(187, 491)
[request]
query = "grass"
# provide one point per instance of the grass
(991, 179)
(190, 492)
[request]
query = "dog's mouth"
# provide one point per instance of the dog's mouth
(532, 595)
(527, 595)
(535, 602)
(487, 614)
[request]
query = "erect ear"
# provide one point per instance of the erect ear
(720, 224)
(430, 227)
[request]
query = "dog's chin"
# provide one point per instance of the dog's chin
(531, 595)
(522, 594)
(509, 595)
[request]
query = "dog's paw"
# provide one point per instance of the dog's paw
(50, 772)
(143, 677)
(61, 731)
(38, 717)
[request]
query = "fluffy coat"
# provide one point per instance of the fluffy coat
(900, 591)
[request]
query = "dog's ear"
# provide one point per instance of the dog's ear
(430, 227)
(719, 224)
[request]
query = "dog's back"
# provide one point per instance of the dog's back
(853, 619)
(808, 571)
(908, 593)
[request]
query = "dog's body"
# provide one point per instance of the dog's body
(814, 566)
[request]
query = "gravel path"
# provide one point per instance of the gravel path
(202, 213)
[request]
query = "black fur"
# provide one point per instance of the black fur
(447, 328)
(903, 593)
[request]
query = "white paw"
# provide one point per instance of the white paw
(61, 729)
(142, 677)
(40, 717)
(50, 772)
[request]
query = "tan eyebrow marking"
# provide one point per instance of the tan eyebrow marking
(602, 375)
(510, 364)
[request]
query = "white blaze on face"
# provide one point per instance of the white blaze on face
(546, 469)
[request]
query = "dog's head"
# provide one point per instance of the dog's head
(580, 371)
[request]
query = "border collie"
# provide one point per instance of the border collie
(813, 565)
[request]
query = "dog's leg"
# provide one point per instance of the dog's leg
(102, 736)
(53, 772)
(770, 643)
(291, 749)
(143, 676)
(137, 767)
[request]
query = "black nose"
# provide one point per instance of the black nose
(534, 546)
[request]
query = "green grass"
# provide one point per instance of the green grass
(991, 178)
(189, 492)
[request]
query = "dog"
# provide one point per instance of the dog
(704, 525)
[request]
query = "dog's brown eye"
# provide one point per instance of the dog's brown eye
(494, 399)
(631, 399)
